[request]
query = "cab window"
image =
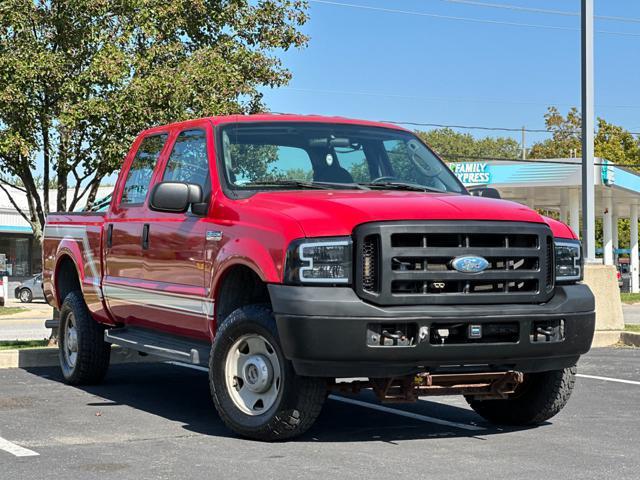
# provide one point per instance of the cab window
(189, 162)
(139, 176)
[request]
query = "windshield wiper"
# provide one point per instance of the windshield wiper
(400, 186)
(306, 184)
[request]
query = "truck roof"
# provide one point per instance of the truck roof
(278, 117)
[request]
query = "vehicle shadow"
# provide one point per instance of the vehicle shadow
(182, 395)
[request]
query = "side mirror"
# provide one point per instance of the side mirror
(174, 197)
(488, 192)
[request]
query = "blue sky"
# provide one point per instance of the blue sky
(382, 65)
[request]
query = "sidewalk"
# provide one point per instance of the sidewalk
(631, 314)
(26, 325)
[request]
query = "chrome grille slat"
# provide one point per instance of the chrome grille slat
(447, 252)
(453, 275)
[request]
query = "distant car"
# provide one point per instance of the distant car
(620, 279)
(30, 290)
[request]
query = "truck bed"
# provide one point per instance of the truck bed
(78, 235)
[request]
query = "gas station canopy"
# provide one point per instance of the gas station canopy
(554, 184)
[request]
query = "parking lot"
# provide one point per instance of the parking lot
(157, 421)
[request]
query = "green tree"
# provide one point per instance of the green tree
(79, 79)
(565, 139)
(454, 146)
(611, 142)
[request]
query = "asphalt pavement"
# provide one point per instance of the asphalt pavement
(157, 421)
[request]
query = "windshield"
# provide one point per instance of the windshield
(322, 155)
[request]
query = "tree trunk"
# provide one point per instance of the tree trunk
(46, 152)
(93, 192)
(33, 197)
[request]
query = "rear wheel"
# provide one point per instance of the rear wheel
(540, 397)
(254, 387)
(84, 355)
(26, 296)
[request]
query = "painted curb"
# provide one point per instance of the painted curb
(48, 357)
(630, 338)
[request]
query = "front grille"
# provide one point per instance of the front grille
(370, 263)
(411, 263)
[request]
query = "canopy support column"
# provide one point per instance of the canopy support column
(574, 210)
(607, 228)
(614, 233)
(635, 261)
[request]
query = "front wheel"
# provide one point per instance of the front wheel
(84, 355)
(254, 387)
(540, 397)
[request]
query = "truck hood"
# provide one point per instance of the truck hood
(336, 212)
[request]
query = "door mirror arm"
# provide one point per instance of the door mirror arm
(200, 209)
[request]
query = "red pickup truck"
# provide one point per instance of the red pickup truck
(296, 255)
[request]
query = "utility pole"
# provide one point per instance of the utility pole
(588, 116)
(524, 147)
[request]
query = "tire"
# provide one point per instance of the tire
(90, 363)
(291, 402)
(540, 397)
(26, 296)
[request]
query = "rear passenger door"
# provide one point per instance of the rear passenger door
(124, 263)
(175, 257)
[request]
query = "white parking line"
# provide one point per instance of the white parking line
(188, 365)
(403, 413)
(16, 450)
(373, 406)
(608, 379)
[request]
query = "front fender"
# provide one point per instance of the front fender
(249, 253)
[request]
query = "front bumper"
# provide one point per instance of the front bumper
(323, 331)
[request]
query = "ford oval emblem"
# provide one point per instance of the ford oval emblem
(470, 264)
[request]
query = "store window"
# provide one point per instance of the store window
(17, 255)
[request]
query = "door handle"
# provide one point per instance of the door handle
(110, 235)
(145, 236)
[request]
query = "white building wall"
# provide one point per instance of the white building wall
(9, 216)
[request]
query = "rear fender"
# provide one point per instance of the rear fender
(88, 272)
(67, 249)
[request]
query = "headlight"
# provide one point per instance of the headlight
(568, 261)
(326, 261)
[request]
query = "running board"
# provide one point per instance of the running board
(160, 344)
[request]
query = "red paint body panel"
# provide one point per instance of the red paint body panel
(171, 285)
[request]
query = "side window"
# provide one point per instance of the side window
(139, 176)
(189, 162)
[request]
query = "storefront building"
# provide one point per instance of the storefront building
(20, 254)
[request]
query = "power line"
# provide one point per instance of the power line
(467, 127)
(529, 160)
(447, 99)
(514, 7)
(421, 97)
(478, 127)
(540, 10)
(465, 19)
